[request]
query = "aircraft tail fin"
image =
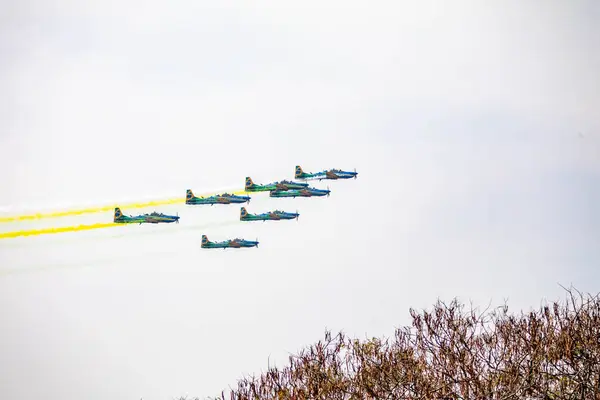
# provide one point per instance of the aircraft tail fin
(249, 182)
(204, 240)
(189, 195)
(298, 172)
(118, 214)
(243, 212)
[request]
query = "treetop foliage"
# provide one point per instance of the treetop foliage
(450, 352)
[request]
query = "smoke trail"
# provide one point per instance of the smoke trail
(71, 239)
(89, 263)
(108, 207)
(45, 231)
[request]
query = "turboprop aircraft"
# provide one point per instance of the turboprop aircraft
(152, 218)
(306, 192)
(234, 243)
(333, 174)
(268, 216)
(224, 198)
(283, 185)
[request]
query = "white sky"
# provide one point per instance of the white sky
(461, 120)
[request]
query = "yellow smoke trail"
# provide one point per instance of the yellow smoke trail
(77, 228)
(45, 231)
(110, 207)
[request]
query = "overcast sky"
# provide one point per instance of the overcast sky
(473, 126)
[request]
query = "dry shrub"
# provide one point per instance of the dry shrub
(451, 353)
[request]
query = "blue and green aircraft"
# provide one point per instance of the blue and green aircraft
(306, 192)
(152, 218)
(283, 185)
(235, 243)
(268, 216)
(332, 174)
(224, 198)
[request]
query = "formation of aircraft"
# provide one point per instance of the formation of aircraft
(231, 243)
(268, 216)
(332, 174)
(152, 218)
(224, 198)
(278, 189)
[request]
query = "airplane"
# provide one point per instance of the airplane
(235, 243)
(224, 198)
(283, 185)
(153, 218)
(333, 174)
(268, 216)
(306, 192)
